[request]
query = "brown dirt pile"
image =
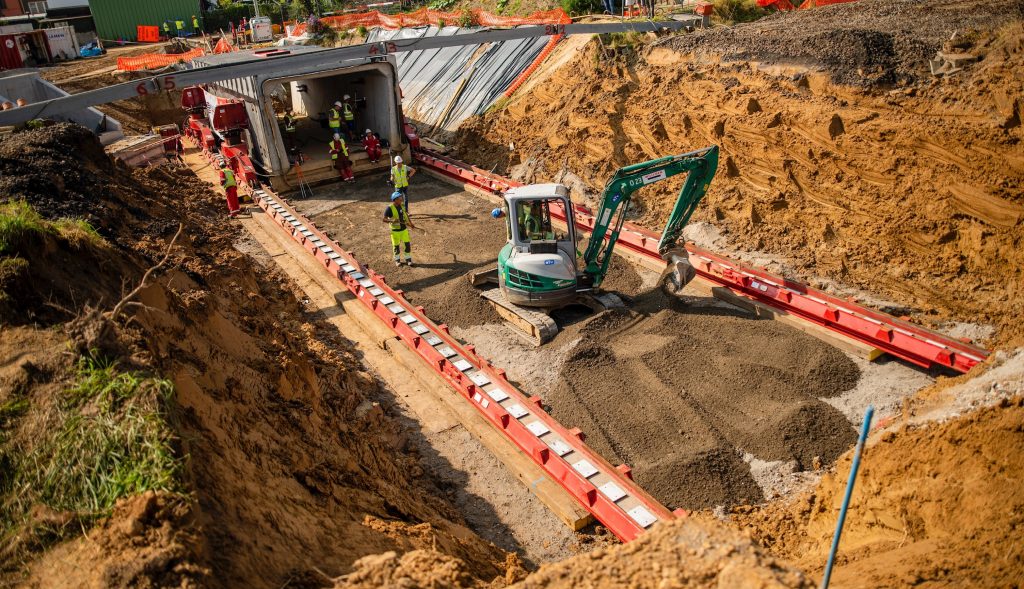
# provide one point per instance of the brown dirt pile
(913, 195)
(939, 505)
(867, 43)
(687, 554)
(649, 392)
(291, 461)
(684, 553)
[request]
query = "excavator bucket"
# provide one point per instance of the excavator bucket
(678, 271)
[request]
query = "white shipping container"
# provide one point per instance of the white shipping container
(63, 43)
(18, 28)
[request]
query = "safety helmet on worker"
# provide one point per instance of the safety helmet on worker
(337, 103)
(223, 164)
(497, 213)
(396, 194)
(398, 159)
(347, 97)
(337, 136)
(369, 132)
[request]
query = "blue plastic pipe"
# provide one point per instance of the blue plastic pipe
(849, 491)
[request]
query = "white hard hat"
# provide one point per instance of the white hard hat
(398, 159)
(347, 97)
(368, 131)
(337, 136)
(337, 103)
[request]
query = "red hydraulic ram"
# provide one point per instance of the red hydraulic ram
(913, 343)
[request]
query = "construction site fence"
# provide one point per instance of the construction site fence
(426, 17)
(153, 61)
(788, 5)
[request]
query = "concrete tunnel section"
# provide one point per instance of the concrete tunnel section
(310, 91)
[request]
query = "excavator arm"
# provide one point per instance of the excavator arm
(700, 167)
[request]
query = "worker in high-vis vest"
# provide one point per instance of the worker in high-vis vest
(334, 118)
(180, 25)
(289, 131)
(348, 112)
(195, 24)
(230, 185)
(398, 219)
(339, 155)
(167, 29)
(400, 174)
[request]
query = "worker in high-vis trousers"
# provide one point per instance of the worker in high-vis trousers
(339, 155)
(230, 185)
(400, 174)
(348, 112)
(398, 219)
(334, 118)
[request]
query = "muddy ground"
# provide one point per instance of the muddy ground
(682, 392)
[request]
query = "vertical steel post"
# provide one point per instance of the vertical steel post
(846, 498)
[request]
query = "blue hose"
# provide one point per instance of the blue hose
(846, 498)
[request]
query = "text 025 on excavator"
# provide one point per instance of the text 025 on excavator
(538, 270)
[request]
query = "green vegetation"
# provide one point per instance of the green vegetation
(441, 4)
(19, 223)
(737, 11)
(361, 31)
(467, 19)
(501, 6)
(578, 7)
(106, 437)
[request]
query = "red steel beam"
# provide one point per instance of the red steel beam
(921, 346)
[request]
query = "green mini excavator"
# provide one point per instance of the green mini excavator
(540, 268)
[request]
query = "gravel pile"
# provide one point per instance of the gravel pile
(865, 43)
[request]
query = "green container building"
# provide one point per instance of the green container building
(120, 19)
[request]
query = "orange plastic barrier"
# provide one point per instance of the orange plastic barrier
(154, 61)
(223, 46)
(148, 34)
(425, 16)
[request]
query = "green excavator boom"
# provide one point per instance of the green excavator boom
(700, 166)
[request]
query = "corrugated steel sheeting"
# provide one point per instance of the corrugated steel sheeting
(443, 87)
(119, 19)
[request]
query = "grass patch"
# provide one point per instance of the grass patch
(78, 232)
(19, 223)
(105, 438)
(737, 11)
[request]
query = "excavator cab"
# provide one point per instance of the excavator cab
(537, 266)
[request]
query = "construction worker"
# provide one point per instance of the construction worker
(289, 131)
(180, 25)
(334, 118)
(349, 112)
(372, 146)
(167, 29)
(339, 154)
(400, 174)
(398, 218)
(230, 185)
(195, 24)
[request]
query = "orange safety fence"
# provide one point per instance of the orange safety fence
(148, 34)
(425, 16)
(522, 77)
(154, 61)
